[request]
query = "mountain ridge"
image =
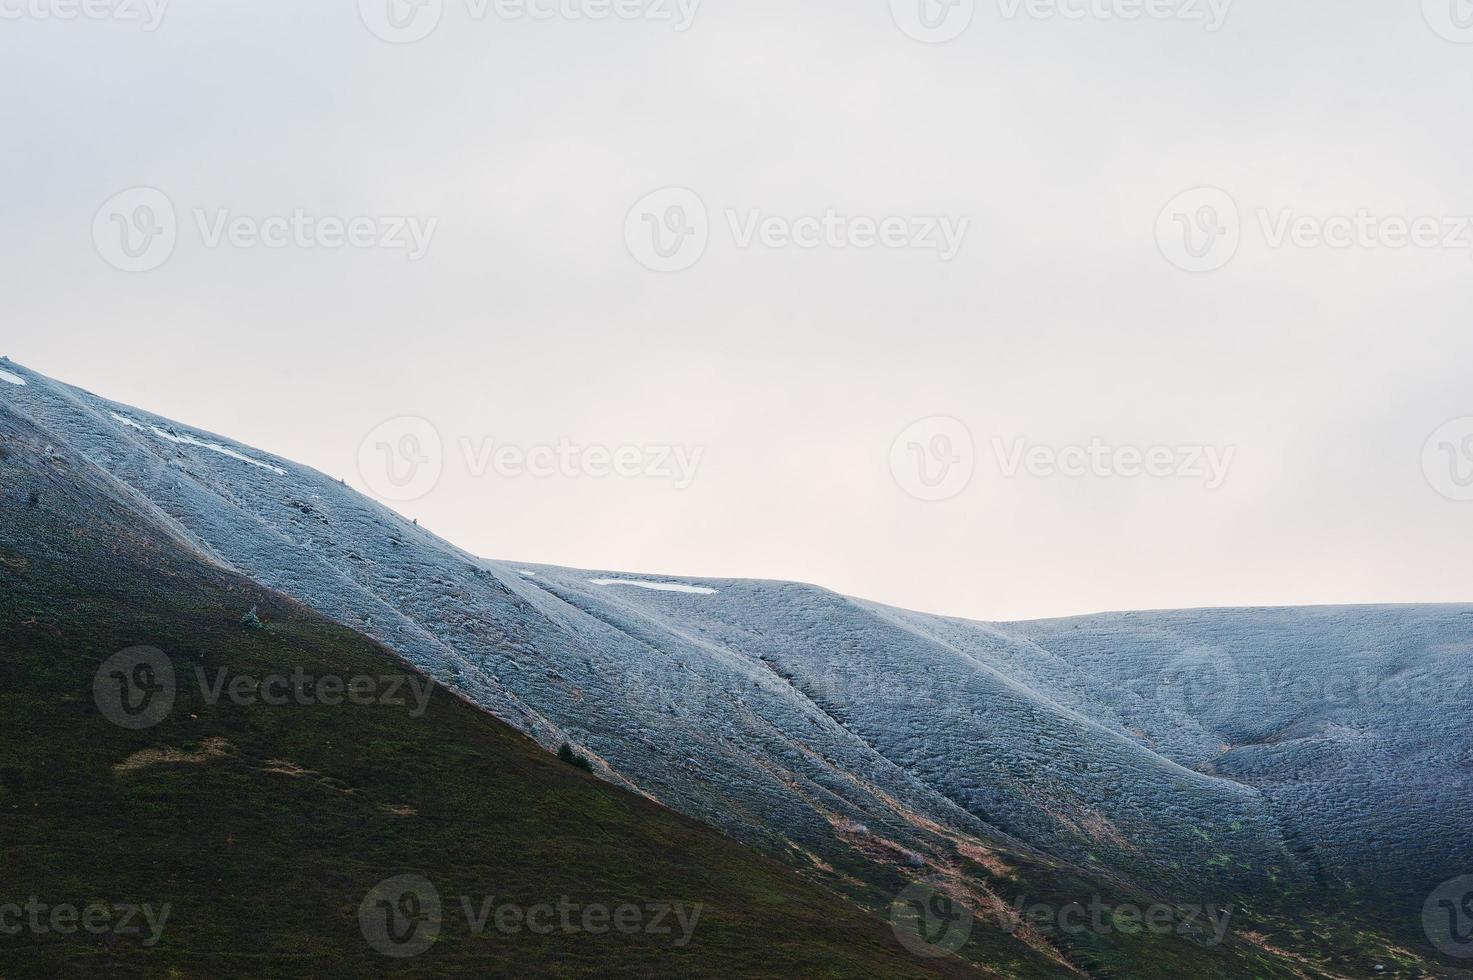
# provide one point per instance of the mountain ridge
(929, 732)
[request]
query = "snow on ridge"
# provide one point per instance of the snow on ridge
(13, 379)
(187, 440)
(129, 422)
(655, 586)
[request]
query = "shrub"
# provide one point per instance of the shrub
(252, 621)
(572, 758)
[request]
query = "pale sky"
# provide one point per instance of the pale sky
(1054, 150)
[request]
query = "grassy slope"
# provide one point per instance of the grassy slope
(264, 863)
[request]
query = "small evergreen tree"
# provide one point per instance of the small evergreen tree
(572, 758)
(251, 620)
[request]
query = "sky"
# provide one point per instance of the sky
(997, 309)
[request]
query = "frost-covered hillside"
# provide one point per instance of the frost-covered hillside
(1206, 753)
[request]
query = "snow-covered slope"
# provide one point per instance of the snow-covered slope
(1349, 724)
(712, 731)
(1193, 751)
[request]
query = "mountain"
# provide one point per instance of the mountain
(1298, 769)
(236, 839)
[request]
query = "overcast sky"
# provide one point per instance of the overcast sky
(1090, 312)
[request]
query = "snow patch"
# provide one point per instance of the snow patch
(655, 586)
(523, 571)
(13, 379)
(186, 440)
(128, 422)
